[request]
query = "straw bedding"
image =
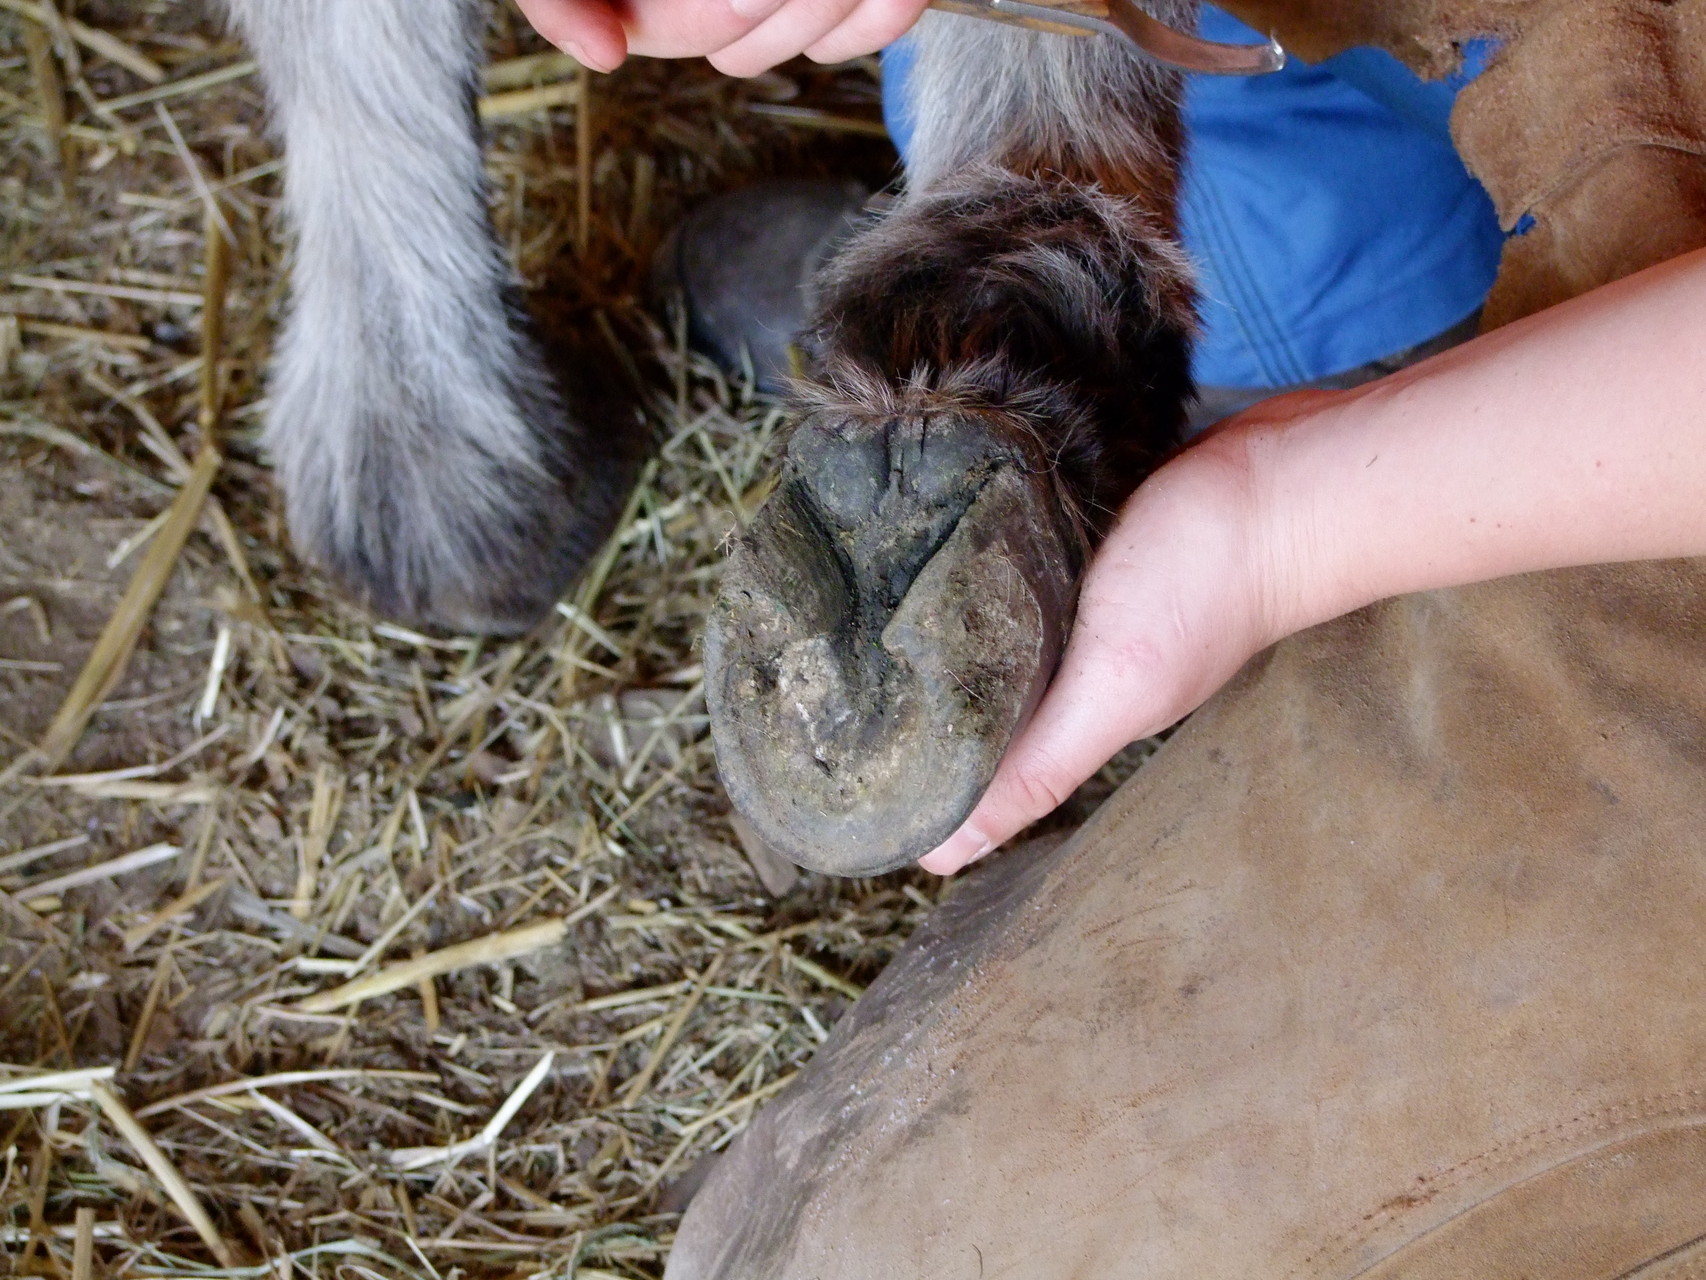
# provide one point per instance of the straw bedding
(327, 947)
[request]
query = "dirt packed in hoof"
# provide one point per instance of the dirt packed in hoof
(327, 946)
(886, 624)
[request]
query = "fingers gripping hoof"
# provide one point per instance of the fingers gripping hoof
(885, 626)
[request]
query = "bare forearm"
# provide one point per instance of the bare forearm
(1575, 437)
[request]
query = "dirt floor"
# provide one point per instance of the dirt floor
(283, 795)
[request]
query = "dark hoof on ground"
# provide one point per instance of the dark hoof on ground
(885, 626)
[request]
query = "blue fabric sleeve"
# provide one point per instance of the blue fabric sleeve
(1331, 219)
(897, 115)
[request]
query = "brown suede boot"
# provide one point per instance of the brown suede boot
(1390, 964)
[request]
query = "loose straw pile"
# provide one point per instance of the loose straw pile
(457, 965)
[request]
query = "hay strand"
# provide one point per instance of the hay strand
(23, 857)
(157, 296)
(41, 1089)
(277, 1080)
(105, 666)
(83, 1244)
(163, 1170)
(420, 1157)
(491, 949)
(94, 40)
(583, 160)
(50, 90)
(216, 235)
(186, 87)
(527, 102)
(529, 69)
(322, 813)
(176, 909)
(123, 865)
(637, 1087)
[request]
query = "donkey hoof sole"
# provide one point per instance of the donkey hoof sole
(885, 625)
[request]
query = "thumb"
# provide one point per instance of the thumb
(1172, 606)
(587, 30)
(1093, 709)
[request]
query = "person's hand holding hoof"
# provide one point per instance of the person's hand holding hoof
(1180, 595)
(1576, 436)
(740, 37)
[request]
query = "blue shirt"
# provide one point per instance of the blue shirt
(1330, 217)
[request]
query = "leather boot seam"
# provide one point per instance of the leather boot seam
(1639, 1114)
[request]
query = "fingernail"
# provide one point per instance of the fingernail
(750, 9)
(580, 55)
(959, 850)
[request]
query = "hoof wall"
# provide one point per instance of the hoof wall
(885, 626)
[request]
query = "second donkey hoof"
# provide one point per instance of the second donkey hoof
(885, 626)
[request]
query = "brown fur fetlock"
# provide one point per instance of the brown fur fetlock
(1041, 296)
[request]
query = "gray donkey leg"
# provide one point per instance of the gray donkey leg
(1004, 357)
(428, 459)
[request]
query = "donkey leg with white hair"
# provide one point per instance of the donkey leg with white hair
(1003, 359)
(428, 458)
